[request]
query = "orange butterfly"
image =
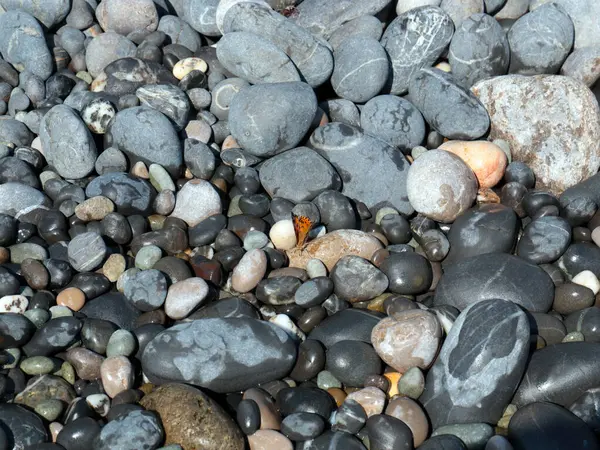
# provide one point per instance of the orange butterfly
(302, 226)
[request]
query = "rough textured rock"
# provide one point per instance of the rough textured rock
(49, 13)
(562, 146)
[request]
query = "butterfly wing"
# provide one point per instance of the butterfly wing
(302, 226)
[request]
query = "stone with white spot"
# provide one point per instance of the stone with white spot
(479, 366)
(284, 322)
(185, 296)
(220, 354)
(13, 304)
(588, 279)
(100, 403)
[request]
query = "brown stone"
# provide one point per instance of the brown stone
(338, 395)
(333, 246)
(117, 375)
(95, 208)
(192, 419)
(35, 274)
(370, 398)
(86, 363)
(73, 298)
(269, 415)
(289, 272)
(269, 440)
(4, 255)
(409, 412)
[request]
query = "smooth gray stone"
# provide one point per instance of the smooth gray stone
(495, 276)
(341, 110)
(146, 135)
(347, 325)
(180, 32)
(388, 433)
(68, 144)
(551, 328)
(548, 426)
(54, 336)
(15, 330)
(587, 408)
(451, 110)
(18, 171)
(223, 355)
(560, 373)
(473, 435)
(17, 199)
(24, 426)
(361, 69)
(270, 118)
(144, 428)
(544, 240)
(14, 132)
(582, 65)
(113, 307)
(131, 195)
(364, 26)
(169, 100)
(312, 58)
(443, 442)
(541, 41)
(72, 40)
(356, 279)
(22, 43)
(394, 120)
(415, 39)
(323, 18)
(351, 151)
(105, 49)
(298, 175)
(201, 15)
(222, 95)
(50, 13)
(255, 59)
(580, 256)
(482, 229)
(479, 49)
(586, 321)
(479, 366)
(86, 251)
(199, 158)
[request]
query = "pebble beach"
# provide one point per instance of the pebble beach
(299, 225)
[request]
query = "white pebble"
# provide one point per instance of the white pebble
(587, 279)
(282, 235)
(284, 322)
(100, 403)
(13, 304)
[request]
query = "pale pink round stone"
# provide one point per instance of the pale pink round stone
(117, 375)
(249, 271)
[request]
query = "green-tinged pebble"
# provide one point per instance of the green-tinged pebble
(50, 409)
(37, 365)
(121, 343)
(326, 380)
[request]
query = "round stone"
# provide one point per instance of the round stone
(352, 361)
(73, 298)
(86, 251)
(117, 375)
(184, 296)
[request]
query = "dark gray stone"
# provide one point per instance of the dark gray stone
(267, 119)
(114, 308)
(22, 43)
(17, 170)
(415, 39)
(479, 366)
(482, 229)
(350, 151)
(131, 195)
(302, 426)
(348, 324)
(408, 273)
(54, 336)
(545, 425)
(355, 279)
(202, 16)
(15, 330)
(394, 120)
(278, 290)
(495, 276)
(24, 427)
(14, 132)
(298, 175)
(125, 75)
(312, 58)
(388, 433)
(199, 158)
(361, 69)
(169, 100)
(479, 49)
(18, 198)
(68, 144)
(146, 290)
(450, 109)
(580, 256)
(336, 211)
(223, 355)
(255, 59)
(560, 374)
(352, 362)
(547, 326)
(544, 240)
(587, 408)
(180, 32)
(443, 442)
(541, 41)
(586, 321)
(143, 428)
(146, 135)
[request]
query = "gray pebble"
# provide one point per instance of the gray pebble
(111, 160)
(222, 95)
(86, 252)
(180, 32)
(169, 100)
(146, 290)
(366, 26)
(106, 48)
(142, 427)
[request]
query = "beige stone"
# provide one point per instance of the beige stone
(187, 65)
(117, 375)
(370, 398)
(114, 266)
(283, 235)
(269, 440)
(333, 246)
(249, 271)
(486, 160)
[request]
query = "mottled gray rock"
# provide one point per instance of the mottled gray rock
(15, 329)
(86, 251)
(583, 65)
(562, 158)
(361, 69)
(495, 276)
(323, 18)
(540, 41)
(267, 119)
(169, 100)
(143, 428)
(312, 58)
(298, 175)
(351, 151)
(68, 144)
(414, 40)
(106, 48)
(479, 49)
(125, 75)
(459, 10)
(26, 428)
(365, 26)
(544, 240)
(131, 195)
(17, 170)
(125, 16)
(355, 279)
(72, 40)
(395, 120)
(22, 43)
(18, 198)
(341, 110)
(584, 14)
(180, 32)
(202, 16)
(14, 133)
(146, 135)
(147, 289)
(49, 13)
(586, 408)
(440, 185)
(81, 15)
(490, 342)
(560, 374)
(255, 59)
(450, 109)
(223, 355)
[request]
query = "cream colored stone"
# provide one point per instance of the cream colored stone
(283, 235)
(487, 160)
(187, 65)
(269, 440)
